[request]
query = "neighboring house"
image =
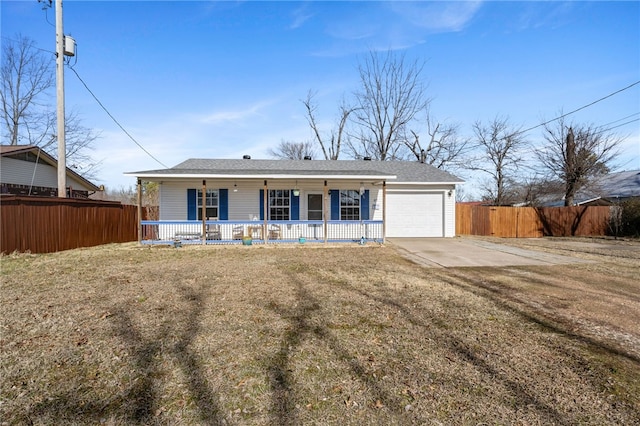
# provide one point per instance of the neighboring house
(608, 190)
(330, 195)
(28, 170)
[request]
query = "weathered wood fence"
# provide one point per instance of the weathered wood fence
(49, 224)
(532, 222)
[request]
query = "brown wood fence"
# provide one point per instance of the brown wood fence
(532, 222)
(48, 224)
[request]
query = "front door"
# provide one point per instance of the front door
(314, 207)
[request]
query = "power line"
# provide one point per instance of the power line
(577, 109)
(599, 130)
(531, 149)
(30, 47)
(116, 121)
(620, 119)
(619, 125)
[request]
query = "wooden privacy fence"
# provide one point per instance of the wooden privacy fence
(46, 225)
(532, 222)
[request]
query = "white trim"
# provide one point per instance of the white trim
(259, 176)
(421, 183)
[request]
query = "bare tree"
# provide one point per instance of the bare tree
(391, 96)
(129, 195)
(27, 74)
(331, 147)
(444, 148)
(577, 155)
(287, 150)
(499, 143)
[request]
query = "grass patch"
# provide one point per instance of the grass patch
(300, 335)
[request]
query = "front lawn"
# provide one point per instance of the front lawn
(302, 335)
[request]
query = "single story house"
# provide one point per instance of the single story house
(312, 200)
(28, 170)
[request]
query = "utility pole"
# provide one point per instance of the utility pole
(62, 146)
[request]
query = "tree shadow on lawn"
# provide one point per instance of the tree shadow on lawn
(501, 298)
(283, 409)
(521, 396)
(139, 403)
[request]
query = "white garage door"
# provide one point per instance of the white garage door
(415, 214)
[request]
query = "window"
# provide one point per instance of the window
(211, 200)
(279, 204)
(349, 205)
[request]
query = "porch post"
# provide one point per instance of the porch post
(265, 234)
(139, 211)
(384, 210)
(324, 211)
(204, 212)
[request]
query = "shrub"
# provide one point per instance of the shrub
(627, 219)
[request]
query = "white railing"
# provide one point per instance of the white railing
(230, 232)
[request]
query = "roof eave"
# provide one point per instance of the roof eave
(160, 176)
(427, 183)
(54, 163)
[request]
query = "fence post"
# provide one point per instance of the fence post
(384, 211)
(139, 211)
(204, 212)
(325, 194)
(265, 214)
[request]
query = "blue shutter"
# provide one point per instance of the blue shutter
(262, 204)
(223, 204)
(192, 204)
(295, 207)
(364, 205)
(335, 204)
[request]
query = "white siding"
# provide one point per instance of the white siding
(244, 196)
(19, 172)
(450, 214)
(173, 199)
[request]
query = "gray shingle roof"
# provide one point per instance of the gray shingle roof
(405, 171)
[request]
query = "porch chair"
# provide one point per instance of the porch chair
(213, 232)
(238, 232)
(274, 232)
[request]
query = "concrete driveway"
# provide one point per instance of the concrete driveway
(460, 251)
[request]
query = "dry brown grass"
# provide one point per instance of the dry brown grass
(304, 335)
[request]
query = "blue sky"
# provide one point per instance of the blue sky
(223, 79)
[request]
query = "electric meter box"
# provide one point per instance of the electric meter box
(69, 46)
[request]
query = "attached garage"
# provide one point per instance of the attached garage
(415, 214)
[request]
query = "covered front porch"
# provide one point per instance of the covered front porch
(250, 211)
(260, 232)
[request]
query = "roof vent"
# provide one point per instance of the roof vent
(307, 157)
(246, 157)
(367, 158)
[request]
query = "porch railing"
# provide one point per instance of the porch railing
(233, 232)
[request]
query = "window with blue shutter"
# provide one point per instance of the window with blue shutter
(280, 202)
(335, 204)
(295, 206)
(364, 205)
(223, 199)
(192, 204)
(262, 204)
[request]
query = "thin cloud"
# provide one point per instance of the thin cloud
(235, 115)
(300, 16)
(395, 25)
(437, 16)
(552, 15)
